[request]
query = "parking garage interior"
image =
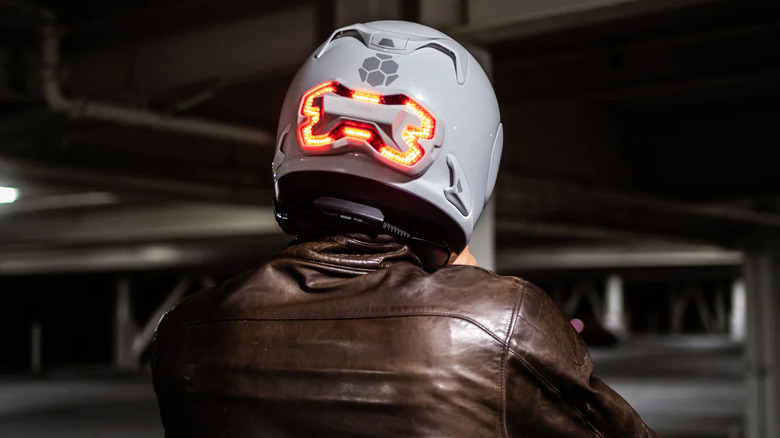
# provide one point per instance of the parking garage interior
(638, 187)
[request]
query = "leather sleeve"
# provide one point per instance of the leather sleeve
(164, 352)
(549, 382)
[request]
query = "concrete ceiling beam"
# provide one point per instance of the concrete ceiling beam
(493, 21)
(143, 223)
(616, 257)
(22, 173)
(253, 46)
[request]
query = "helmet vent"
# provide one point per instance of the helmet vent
(457, 62)
(281, 148)
(347, 33)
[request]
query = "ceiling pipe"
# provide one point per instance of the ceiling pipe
(91, 109)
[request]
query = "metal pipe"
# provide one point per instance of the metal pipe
(90, 109)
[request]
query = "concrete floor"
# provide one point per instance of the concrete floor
(683, 387)
(68, 406)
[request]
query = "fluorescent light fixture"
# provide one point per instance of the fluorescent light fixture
(8, 195)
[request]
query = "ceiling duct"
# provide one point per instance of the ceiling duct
(96, 110)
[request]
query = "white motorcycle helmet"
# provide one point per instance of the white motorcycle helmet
(389, 126)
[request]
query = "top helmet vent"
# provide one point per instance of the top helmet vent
(346, 33)
(459, 62)
(389, 41)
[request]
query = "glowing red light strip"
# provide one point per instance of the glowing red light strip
(358, 131)
(313, 115)
(366, 97)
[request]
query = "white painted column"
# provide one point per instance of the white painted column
(483, 241)
(615, 317)
(144, 336)
(737, 317)
(761, 347)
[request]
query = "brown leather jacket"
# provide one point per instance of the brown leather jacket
(348, 336)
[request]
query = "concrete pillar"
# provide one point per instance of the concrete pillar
(144, 336)
(761, 348)
(124, 327)
(738, 313)
(483, 241)
(615, 318)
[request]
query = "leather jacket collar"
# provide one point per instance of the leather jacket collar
(361, 252)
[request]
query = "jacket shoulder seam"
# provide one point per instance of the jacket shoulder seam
(555, 390)
(576, 361)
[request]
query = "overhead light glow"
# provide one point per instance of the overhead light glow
(8, 195)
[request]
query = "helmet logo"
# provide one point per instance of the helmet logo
(378, 70)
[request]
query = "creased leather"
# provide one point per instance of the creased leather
(349, 336)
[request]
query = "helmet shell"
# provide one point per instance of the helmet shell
(390, 58)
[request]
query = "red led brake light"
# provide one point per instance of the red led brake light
(365, 97)
(313, 115)
(411, 134)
